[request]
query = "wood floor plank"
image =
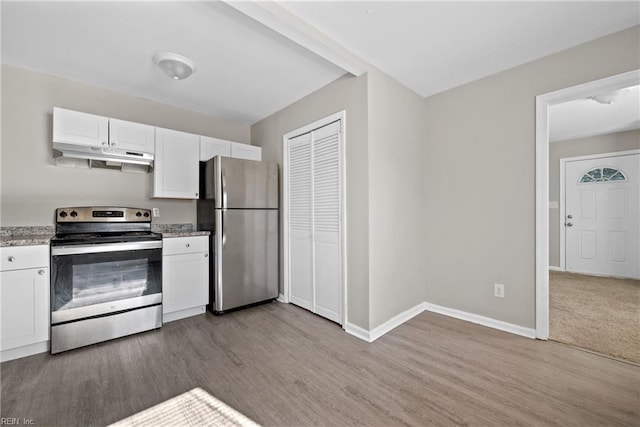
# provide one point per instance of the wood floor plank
(283, 366)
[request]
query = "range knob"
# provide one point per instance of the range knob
(74, 214)
(146, 214)
(138, 214)
(63, 214)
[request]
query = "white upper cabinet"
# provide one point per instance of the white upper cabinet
(245, 151)
(73, 127)
(211, 147)
(131, 136)
(176, 164)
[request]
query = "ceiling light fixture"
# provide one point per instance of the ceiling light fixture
(174, 65)
(610, 97)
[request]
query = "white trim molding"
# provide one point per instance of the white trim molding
(481, 320)
(543, 102)
(394, 322)
(280, 20)
(554, 268)
(357, 332)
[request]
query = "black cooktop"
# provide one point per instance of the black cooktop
(104, 237)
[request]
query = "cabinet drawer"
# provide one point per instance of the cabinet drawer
(21, 257)
(185, 245)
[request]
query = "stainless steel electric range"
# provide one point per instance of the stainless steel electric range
(106, 275)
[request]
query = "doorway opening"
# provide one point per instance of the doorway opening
(548, 206)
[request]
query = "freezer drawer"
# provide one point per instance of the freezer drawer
(246, 257)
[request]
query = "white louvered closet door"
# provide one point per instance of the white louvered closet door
(315, 228)
(300, 225)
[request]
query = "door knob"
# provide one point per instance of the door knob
(11, 258)
(570, 216)
(41, 272)
(569, 224)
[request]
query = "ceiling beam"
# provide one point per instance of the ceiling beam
(295, 29)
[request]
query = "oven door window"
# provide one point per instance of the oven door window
(81, 280)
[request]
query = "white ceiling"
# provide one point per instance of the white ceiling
(244, 73)
(434, 46)
(247, 70)
(586, 117)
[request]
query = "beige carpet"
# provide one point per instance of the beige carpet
(596, 313)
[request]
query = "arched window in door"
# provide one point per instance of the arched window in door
(603, 174)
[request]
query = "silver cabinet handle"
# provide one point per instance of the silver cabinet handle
(104, 143)
(196, 194)
(569, 224)
(570, 216)
(206, 255)
(41, 272)
(187, 245)
(11, 258)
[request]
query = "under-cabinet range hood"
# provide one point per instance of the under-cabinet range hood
(98, 157)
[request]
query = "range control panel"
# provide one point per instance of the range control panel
(102, 214)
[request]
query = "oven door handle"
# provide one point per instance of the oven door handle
(107, 247)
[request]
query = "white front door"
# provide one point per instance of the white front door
(602, 216)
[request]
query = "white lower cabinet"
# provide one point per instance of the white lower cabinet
(24, 301)
(185, 277)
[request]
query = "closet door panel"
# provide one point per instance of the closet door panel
(300, 220)
(326, 221)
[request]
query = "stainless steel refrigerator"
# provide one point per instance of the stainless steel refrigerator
(239, 205)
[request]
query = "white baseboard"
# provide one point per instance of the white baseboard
(396, 321)
(281, 298)
(554, 268)
(27, 350)
(357, 331)
(374, 334)
(482, 320)
(377, 332)
(177, 315)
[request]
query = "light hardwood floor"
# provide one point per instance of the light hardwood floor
(283, 366)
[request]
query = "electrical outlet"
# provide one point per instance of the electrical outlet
(156, 212)
(498, 290)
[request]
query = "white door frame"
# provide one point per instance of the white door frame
(543, 102)
(563, 163)
(340, 115)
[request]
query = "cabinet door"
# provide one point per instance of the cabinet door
(185, 281)
(245, 151)
(74, 127)
(176, 167)
(131, 136)
(211, 147)
(24, 307)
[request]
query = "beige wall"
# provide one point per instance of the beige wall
(609, 143)
(480, 177)
(397, 200)
(349, 94)
(33, 186)
(385, 199)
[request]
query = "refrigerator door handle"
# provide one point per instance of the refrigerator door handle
(224, 230)
(223, 180)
